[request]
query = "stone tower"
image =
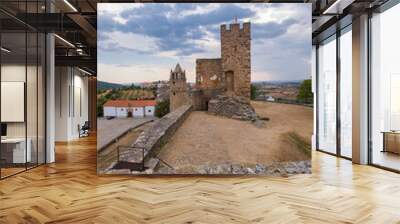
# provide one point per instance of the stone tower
(178, 88)
(235, 58)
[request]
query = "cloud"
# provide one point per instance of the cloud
(160, 35)
(173, 32)
(116, 9)
(107, 72)
(271, 29)
(117, 40)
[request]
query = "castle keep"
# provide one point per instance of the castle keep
(229, 75)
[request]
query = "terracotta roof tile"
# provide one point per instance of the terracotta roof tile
(129, 103)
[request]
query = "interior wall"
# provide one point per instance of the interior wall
(80, 102)
(13, 73)
(71, 102)
(62, 81)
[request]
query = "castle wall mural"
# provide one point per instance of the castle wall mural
(206, 91)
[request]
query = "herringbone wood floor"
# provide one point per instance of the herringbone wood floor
(69, 191)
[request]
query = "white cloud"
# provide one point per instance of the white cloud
(117, 39)
(269, 56)
(200, 9)
(115, 10)
(265, 12)
(131, 73)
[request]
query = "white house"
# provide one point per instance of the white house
(129, 108)
(270, 99)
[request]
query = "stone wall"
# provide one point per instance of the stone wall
(178, 98)
(235, 55)
(209, 73)
(198, 101)
(157, 135)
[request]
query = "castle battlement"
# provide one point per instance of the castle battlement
(230, 74)
(236, 27)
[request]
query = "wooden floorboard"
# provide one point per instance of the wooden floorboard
(69, 191)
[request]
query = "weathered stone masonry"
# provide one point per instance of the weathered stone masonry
(228, 75)
(178, 93)
(235, 55)
(152, 140)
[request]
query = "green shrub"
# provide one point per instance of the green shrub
(100, 102)
(253, 92)
(162, 108)
(305, 94)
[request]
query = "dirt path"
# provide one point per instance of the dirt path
(208, 139)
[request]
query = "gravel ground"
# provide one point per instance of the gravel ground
(207, 139)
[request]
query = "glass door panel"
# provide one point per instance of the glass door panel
(14, 154)
(32, 99)
(385, 89)
(346, 93)
(327, 96)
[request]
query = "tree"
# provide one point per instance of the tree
(305, 94)
(100, 102)
(253, 92)
(162, 108)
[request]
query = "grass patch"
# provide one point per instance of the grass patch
(299, 142)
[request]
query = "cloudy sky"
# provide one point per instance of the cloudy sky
(143, 42)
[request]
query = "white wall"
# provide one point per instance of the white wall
(33, 126)
(149, 111)
(109, 111)
(62, 81)
(71, 102)
(122, 112)
(80, 105)
(138, 112)
(14, 73)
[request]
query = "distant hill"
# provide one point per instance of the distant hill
(108, 85)
(277, 81)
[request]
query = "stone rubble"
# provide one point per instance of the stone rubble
(273, 169)
(235, 107)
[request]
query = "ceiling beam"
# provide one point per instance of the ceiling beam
(89, 30)
(77, 61)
